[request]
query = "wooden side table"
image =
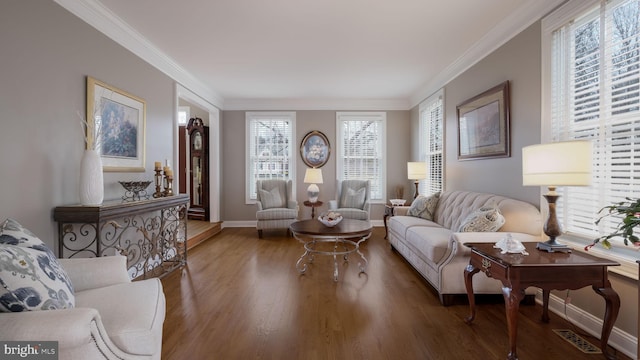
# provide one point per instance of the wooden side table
(388, 211)
(547, 271)
(313, 207)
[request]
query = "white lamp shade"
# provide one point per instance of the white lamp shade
(566, 163)
(416, 170)
(313, 176)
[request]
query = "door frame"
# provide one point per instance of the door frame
(214, 145)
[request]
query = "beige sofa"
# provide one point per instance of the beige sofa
(113, 317)
(436, 249)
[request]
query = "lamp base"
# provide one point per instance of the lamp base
(553, 246)
(312, 192)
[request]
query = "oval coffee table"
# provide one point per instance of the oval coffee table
(345, 238)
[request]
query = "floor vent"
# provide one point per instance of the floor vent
(577, 341)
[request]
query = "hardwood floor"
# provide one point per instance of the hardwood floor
(241, 297)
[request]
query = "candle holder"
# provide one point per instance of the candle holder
(168, 184)
(158, 179)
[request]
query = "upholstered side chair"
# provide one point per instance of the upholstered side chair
(275, 207)
(352, 199)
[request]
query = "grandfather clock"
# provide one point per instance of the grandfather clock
(198, 169)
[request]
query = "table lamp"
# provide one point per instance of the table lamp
(416, 171)
(313, 176)
(565, 163)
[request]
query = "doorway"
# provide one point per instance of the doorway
(189, 105)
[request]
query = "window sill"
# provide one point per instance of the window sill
(625, 255)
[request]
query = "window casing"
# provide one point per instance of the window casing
(270, 148)
(591, 84)
(361, 149)
(431, 143)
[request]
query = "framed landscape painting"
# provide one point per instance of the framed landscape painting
(483, 125)
(119, 119)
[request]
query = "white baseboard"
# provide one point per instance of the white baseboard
(252, 223)
(619, 340)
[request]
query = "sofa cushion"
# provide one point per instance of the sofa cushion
(31, 278)
(276, 214)
(431, 243)
(424, 206)
(272, 198)
(485, 219)
(132, 313)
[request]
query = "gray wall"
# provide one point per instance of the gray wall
(234, 149)
(45, 58)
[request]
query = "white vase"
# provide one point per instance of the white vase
(91, 179)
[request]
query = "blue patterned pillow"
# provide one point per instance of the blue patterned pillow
(31, 278)
(424, 206)
(485, 219)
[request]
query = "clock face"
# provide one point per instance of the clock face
(197, 141)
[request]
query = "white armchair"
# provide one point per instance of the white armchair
(113, 317)
(352, 199)
(275, 207)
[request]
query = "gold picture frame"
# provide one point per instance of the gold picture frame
(484, 125)
(119, 122)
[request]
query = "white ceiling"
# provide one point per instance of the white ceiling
(252, 53)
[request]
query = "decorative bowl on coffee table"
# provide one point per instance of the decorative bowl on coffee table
(330, 218)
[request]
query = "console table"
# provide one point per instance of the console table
(545, 270)
(151, 233)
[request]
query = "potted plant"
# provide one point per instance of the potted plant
(630, 210)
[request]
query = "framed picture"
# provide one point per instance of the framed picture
(315, 149)
(119, 121)
(483, 125)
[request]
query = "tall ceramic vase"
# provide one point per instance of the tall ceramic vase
(91, 179)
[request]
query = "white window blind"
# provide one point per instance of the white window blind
(270, 143)
(361, 141)
(595, 95)
(431, 143)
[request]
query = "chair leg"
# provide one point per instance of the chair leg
(260, 234)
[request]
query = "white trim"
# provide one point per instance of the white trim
(504, 31)
(215, 190)
(619, 339)
(253, 223)
(317, 104)
(104, 20)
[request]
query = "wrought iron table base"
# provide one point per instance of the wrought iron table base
(341, 247)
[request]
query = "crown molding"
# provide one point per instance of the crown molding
(104, 20)
(316, 104)
(504, 31)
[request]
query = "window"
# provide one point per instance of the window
(431, 143)
(183, 115)
(592, 92)
(270, 144)
(361, 141)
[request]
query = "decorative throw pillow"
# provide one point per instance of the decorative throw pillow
(353, 198)
(271, 199)
(424, 206)
(485, 219)
(31, 278)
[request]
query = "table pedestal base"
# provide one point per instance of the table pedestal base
(341, 248)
